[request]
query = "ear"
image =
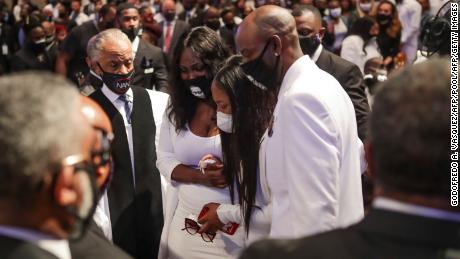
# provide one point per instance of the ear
(322, 31)
(64, 189)
(278, 45)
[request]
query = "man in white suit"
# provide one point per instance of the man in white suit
(310, 152)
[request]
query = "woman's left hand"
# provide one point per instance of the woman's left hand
(210, 221)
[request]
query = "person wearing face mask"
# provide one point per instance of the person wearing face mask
(310, 152)
(361, 43)
(152, 30)
(228, 31)
(48, 184)
(308, 23)
(33, 55)
(240, 131)
(173, 29)
(188, 137)
(94, 244)
(389, 38)
(50, 39)
(72, 52)
(336, 25)
(366, 8)
(149, 65)
(135, 194)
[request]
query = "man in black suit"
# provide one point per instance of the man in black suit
(33, 55)
(414, 214)
(135, 203)
(311, 32)
(149, 65)
(173, 29)
(191, 15)
(47, 180)
(94, 244)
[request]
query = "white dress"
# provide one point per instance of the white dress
(188, 199)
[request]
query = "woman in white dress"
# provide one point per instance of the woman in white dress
(243, 114)
(361, 43)
(188, 133)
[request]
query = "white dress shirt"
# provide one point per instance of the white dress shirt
(58, 247)
(410, 14)
(312, 159)
(352, 50)
(159, 101)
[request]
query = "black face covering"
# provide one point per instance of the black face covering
(90, 197)
(118, 83)
(230, 26)
(132, 32)
(213, 24)
(309, 44)
(260, 74)
(169, 16)
(37, 47)
(384, 20)
(199, 87)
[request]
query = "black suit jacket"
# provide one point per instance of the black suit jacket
(25, 59)
(11, 248)
(94, 245)
(381, 234)
(351, 79)
(150, 68)
(179, 29)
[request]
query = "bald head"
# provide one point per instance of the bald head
(168, 6)
(96, 117)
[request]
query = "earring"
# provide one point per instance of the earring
(276, 54)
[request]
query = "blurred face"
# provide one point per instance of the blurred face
(384, 9)
(110, 17)
(190, 66)
(221, 99)
(116, 58)
(228, 18)
(345, 4)
(129, 19)
(75, 5)
(307, 25)
(247, 10)
(334, 4)
(189, 4)
(374, 30)
(147, 16)
(37, 34)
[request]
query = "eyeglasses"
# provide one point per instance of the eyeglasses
(192, 228)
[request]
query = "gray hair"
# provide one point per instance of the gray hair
(97, 42)
(40, 124)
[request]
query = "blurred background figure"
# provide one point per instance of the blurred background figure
(389, 38)
(361, 45)
(49, 157)
(410, 13)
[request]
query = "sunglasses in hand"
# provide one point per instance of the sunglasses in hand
(192, 228)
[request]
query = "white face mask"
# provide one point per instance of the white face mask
(336, 12)
(224, 122)
(365, 7)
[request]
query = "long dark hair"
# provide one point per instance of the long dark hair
(251, 111)
(361, 27)
(205, 45)
(395, 28)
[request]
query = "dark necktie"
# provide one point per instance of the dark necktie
(128, 106)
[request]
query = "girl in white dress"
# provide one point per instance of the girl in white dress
(188, 133)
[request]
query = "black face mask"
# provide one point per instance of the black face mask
(384, 20)
(90, 197)
(309, 44)
(213, 24)
(118, 83)
(109, 24)
(261, 75)
(169, 16)
(132, 33)
(62, 15)
(230, 26)
(37, 47)
(199, 87)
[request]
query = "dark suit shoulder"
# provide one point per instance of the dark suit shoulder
(150, 49)
(11, 248)
(94, 246)
(337, 66)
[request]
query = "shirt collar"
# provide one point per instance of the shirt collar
(315, 55)
(55, 246)
(113, 96)
(407, 208)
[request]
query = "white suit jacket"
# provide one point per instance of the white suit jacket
(312, 159)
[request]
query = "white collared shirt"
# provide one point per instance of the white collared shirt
(159, 101)
(412, 209)
(58, 247)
